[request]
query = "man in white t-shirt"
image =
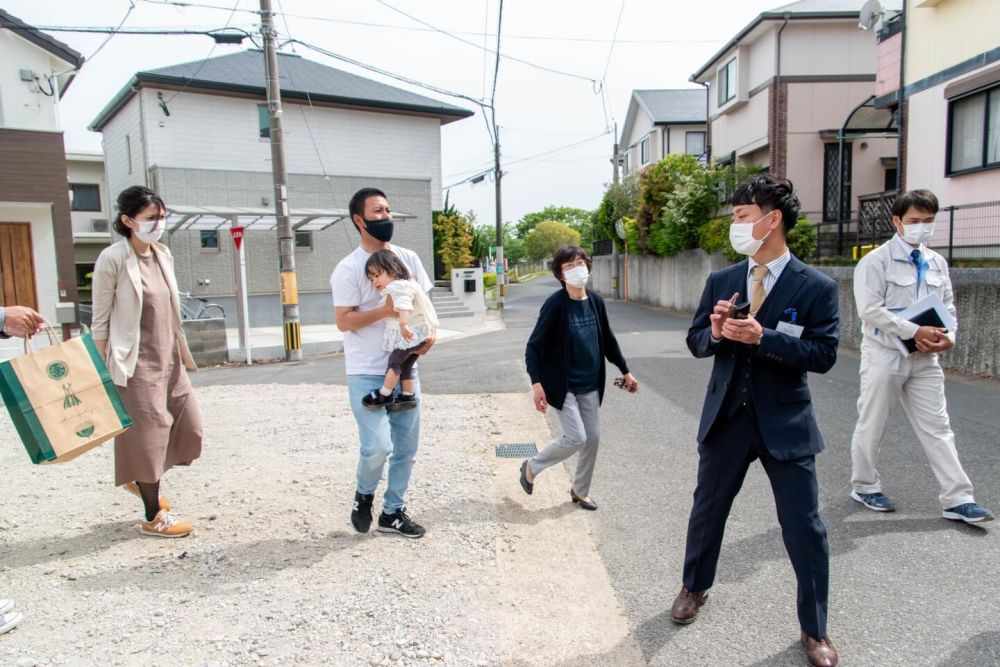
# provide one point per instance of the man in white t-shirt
(384, 433)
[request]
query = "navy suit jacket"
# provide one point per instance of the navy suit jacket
(778, 386)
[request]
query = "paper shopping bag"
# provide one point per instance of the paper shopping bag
(62, 400)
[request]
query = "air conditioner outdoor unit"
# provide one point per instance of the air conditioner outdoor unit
(99, 225)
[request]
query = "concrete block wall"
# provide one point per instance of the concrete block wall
(207, 341)
(677, 283)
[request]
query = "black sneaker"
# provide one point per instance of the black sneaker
(399, 522)
(361, 516)
(376, 400)
(402, 402)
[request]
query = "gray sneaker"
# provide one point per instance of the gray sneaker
(875, 501)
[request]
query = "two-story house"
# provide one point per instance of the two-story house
(793, 93)
(36, 238)
(661, 122)
(198, 134)
(948, 55)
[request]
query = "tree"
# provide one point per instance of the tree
(576, 218)
(453, 239)
(620, 201)
(547, 237)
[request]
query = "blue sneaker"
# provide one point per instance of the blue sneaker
(875, 501)
(969, 513)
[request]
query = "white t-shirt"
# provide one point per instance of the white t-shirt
(363, 353)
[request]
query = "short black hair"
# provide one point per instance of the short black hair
(131, 202)
(922, 200)
(357, 205)
(386, 261)
(771, 194)
(568, 253)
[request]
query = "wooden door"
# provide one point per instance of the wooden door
(17, 268)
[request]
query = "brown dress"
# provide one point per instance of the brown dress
(166, 421)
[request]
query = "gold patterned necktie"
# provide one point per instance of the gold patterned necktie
(757, 293)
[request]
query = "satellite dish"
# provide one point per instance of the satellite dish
(871, 13)
(620, 229)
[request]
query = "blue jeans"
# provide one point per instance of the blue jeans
(384, 435)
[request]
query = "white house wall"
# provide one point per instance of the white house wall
(743, 130)
(113, 140)
(927, 135)
(22, 105)
(827, 48)
(87, 172)
(218, 132)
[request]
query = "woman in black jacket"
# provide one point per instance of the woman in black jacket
(565, 358)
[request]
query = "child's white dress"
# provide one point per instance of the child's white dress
(407, 295)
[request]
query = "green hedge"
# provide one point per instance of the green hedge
(489, 280)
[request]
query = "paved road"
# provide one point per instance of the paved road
(908, 588)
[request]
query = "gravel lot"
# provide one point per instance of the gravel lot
(275, 575)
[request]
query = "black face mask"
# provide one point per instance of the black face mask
(381, 230)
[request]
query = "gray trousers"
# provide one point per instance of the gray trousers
(581, 432)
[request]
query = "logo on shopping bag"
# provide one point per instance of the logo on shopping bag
(70, 399)
(57, 370)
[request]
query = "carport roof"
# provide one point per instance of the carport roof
(254, 218)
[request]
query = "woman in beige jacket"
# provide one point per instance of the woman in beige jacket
(137, 327)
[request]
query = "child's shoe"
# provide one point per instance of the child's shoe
(403, 402)
(376, 400)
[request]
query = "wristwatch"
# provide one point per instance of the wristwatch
(3, 319)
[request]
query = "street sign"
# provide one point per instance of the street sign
(237, 233)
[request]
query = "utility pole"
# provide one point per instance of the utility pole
(615, 292)
(286, 238)
(501, 274)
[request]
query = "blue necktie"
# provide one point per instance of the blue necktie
(921, 265)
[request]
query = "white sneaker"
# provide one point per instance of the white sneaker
(5, 606)
(9, 621)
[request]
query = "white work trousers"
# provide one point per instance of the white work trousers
(917, 382)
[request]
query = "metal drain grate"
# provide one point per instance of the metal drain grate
(516, 450)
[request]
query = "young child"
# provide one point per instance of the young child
(414, 323)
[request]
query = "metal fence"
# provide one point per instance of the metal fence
(602, 247)
(969, 232)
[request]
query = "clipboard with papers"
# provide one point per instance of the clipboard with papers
(929, 311)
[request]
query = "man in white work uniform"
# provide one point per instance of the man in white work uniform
(887, 280)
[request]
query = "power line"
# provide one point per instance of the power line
(611, 49)
(378, 70)
(473, 44)
(131, 7)
(197, 71)
(372, 24)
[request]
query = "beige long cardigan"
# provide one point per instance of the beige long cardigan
(117, 295)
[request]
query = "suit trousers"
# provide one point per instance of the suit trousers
(917, 383)
(723, 460)
(581, 432)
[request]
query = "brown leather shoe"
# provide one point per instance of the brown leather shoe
(686, 606)
(820, 652)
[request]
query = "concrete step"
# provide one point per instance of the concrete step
(457, 313)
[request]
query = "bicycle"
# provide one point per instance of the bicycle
(199, 308)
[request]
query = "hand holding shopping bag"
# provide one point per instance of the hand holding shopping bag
(61, 399)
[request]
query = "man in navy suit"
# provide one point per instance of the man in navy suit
(758, 406)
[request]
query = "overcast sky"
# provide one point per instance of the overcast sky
(660, 44)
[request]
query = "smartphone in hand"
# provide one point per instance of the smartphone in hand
(740, 311)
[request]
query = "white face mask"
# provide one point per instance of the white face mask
(918, 233)
(577, 276)
(146, 233)
(742, 240)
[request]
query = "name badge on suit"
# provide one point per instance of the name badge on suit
(793, 330)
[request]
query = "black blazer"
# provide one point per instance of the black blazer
(548, 350)
(778, 386)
